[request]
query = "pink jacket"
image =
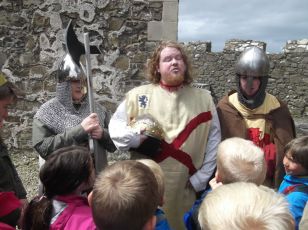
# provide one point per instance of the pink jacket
(4, 226)
(76, 215)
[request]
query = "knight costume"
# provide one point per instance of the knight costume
(191, 135)
(57, 123)
(261, 118)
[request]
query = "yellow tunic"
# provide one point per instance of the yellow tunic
(260, 131)
(250, 115)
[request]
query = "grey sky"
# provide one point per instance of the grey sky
(270, 21)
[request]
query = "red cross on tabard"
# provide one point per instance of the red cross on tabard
(173, 149)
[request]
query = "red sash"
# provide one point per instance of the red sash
(173, 149)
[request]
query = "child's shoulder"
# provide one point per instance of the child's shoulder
(296, 193)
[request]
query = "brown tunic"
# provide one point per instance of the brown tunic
(233, 125)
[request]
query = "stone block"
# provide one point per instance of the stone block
(155, 31)
(170, 11)
(116, 23)
(170, 31)
(122, 63)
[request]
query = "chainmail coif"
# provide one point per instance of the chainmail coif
(60, 113)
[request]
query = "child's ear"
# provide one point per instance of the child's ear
(90, 198)
(150, 224)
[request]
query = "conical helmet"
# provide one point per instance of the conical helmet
(253, 62)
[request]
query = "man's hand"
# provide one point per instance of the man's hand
(97, 133)
(90, 123)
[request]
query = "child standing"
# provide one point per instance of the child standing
(238, 160)
(295, 182)
(243, 205)
(161, 220)
(66, 174)
(9, 179)
(125, 196)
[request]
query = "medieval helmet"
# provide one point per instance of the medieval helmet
(71, 67)
(149, 125)
(253, 62)
(154, 132)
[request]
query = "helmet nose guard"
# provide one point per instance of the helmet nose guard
(71, 67)
(253, 62)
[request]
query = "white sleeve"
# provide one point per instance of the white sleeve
(121, 134)
(200, 179)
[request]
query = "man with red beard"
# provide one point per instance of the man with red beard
(190, 127)
(253, 114)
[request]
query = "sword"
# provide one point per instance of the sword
(99, 158)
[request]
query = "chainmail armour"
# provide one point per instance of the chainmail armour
(256, 100)
(59, 113)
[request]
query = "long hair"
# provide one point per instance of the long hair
(65, 170)
(154, 76)
(37, 214)
(62, 173)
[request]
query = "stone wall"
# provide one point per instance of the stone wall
(32, 44)
(288, 71)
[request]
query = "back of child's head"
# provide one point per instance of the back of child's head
(125, 196)
(158, 173)
(64, 172)
(243, 205)
(240, 160)
(298, 150)
(65, 169)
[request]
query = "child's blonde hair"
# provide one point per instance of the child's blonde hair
(243, 205)
(158, 173)
(240, 160)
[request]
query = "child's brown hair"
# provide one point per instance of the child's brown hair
(298, 150)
